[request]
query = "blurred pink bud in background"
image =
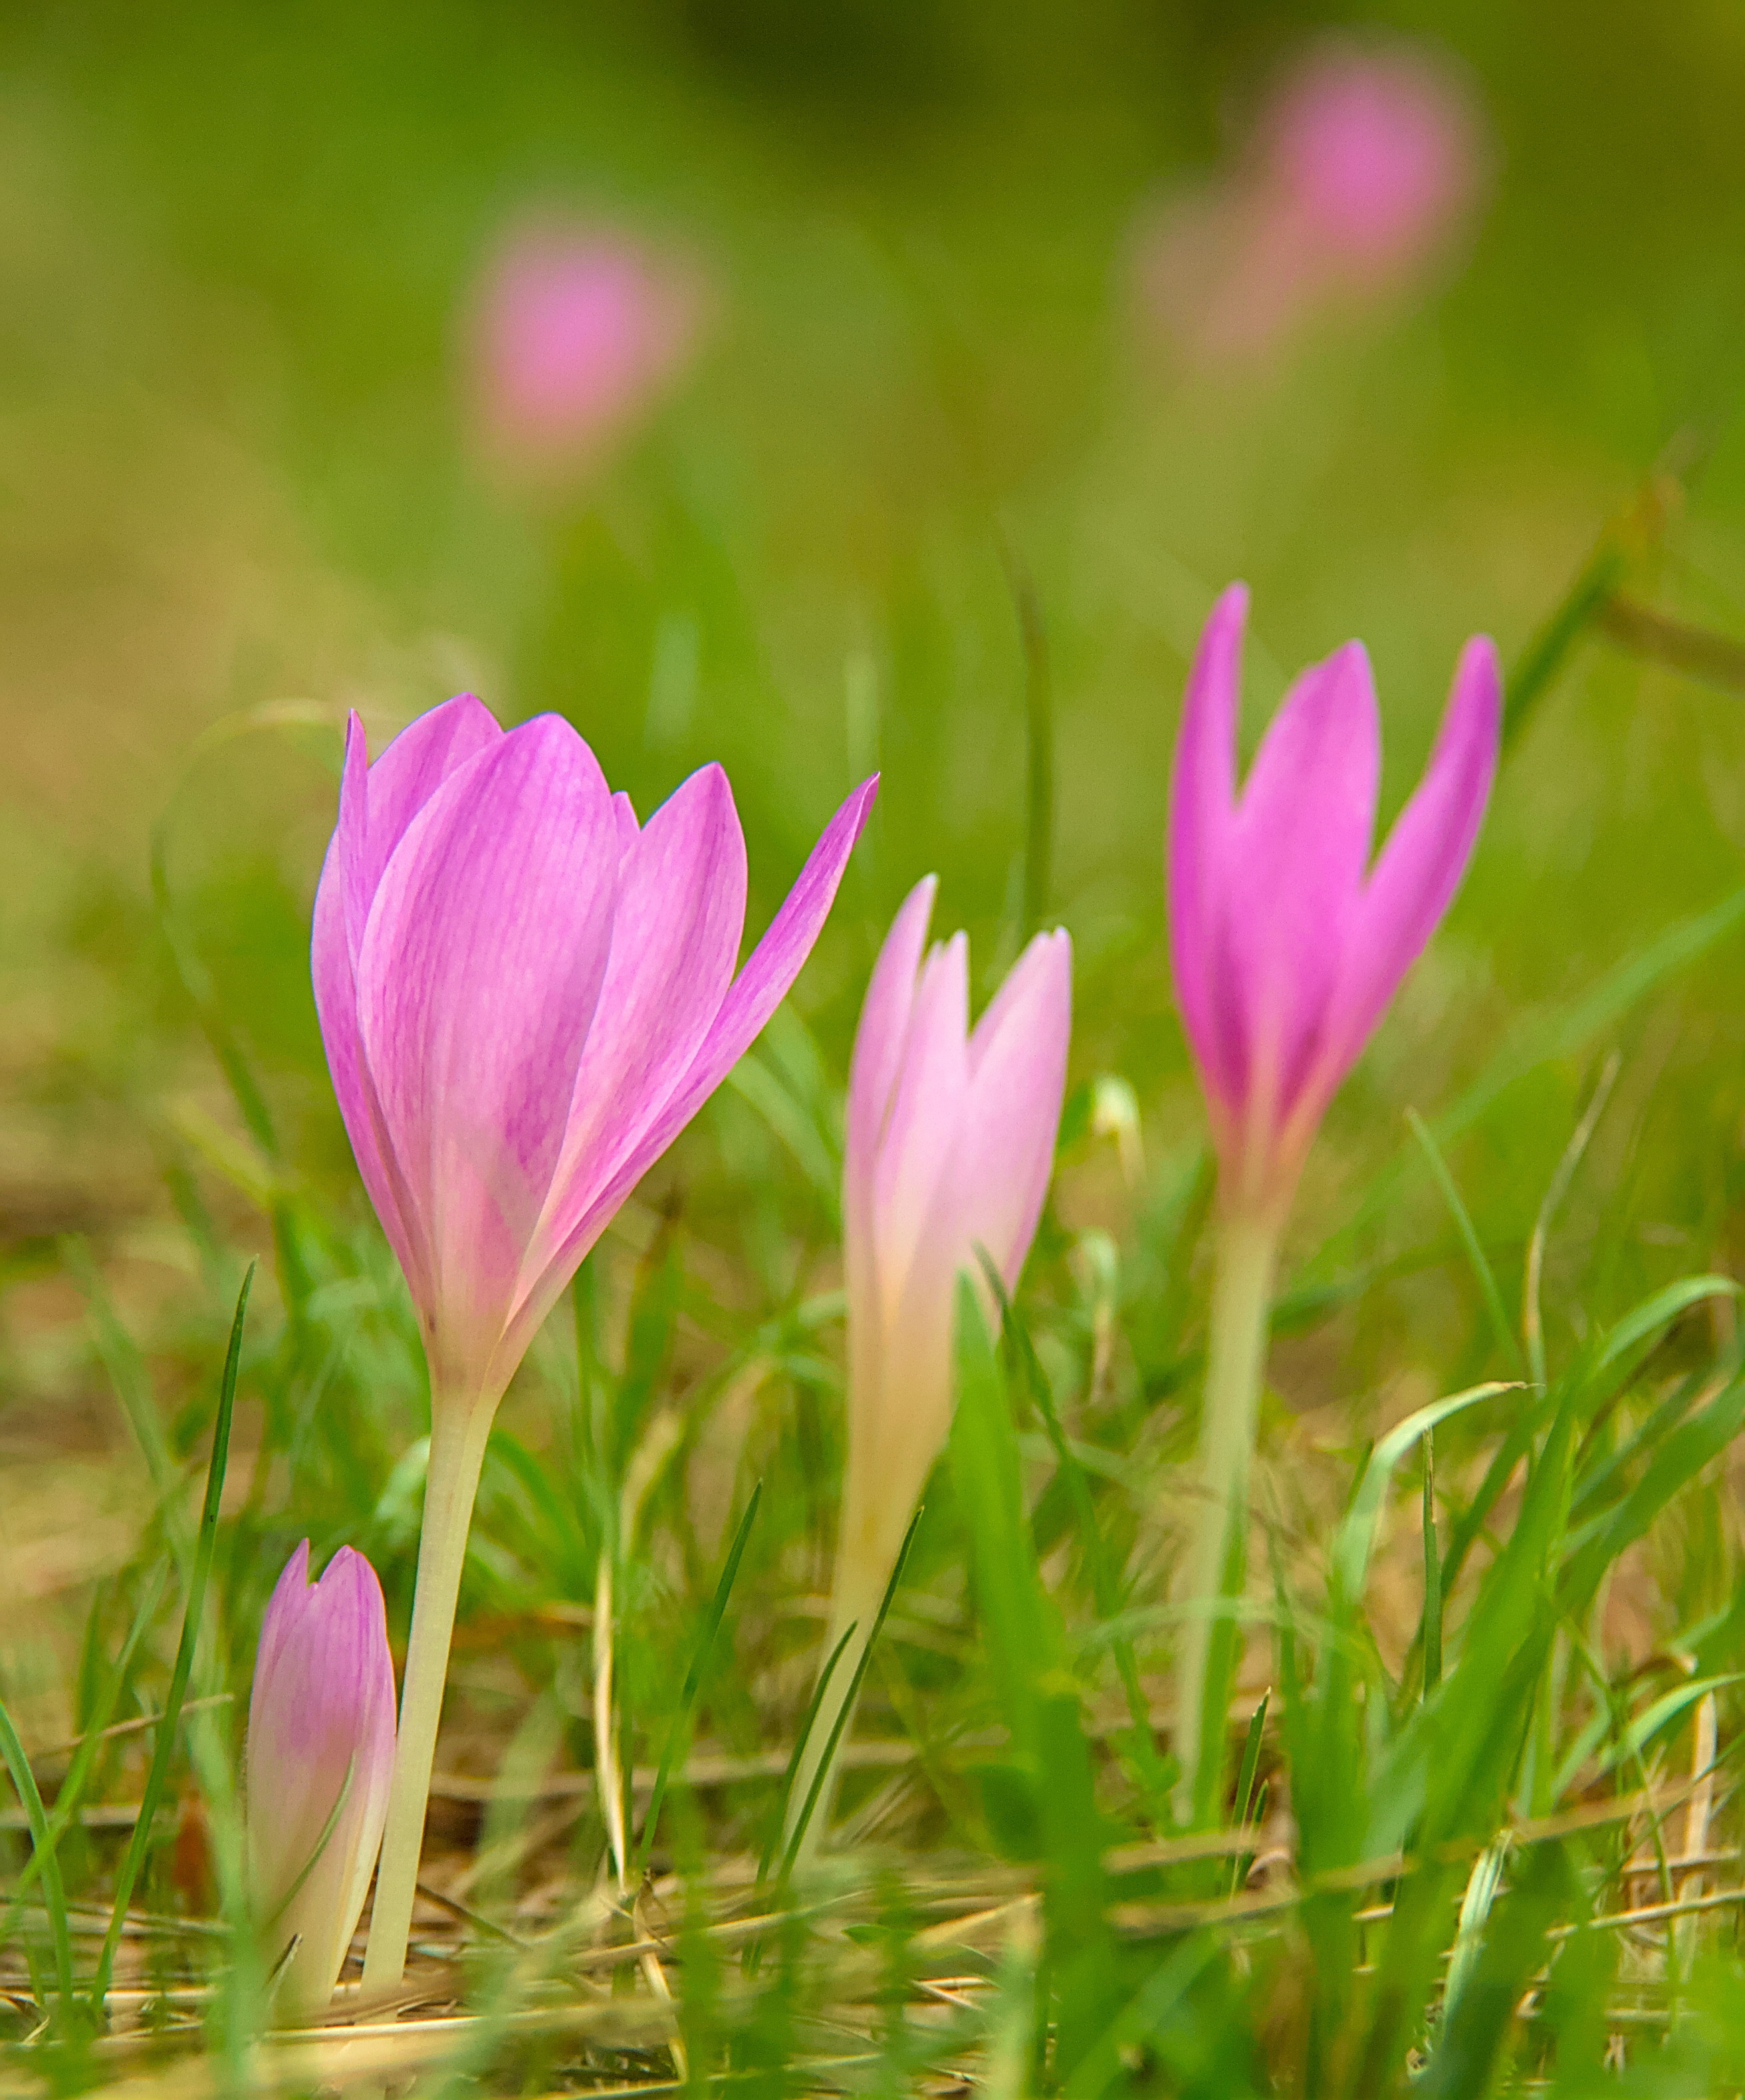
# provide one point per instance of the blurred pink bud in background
(320, 1740)
(576, 334)
(1362, 167)
(1285, 943)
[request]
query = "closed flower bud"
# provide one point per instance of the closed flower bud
(320, 1755)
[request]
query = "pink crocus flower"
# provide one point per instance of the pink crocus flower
(525, 996)
(1364, 164)
(1286, 944)
(577, 333)
(950, 1148)
(320, 1755)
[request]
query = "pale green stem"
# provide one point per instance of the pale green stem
(459, 1430)
(1236, 1365)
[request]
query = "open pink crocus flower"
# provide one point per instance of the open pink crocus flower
(320, 1755)
(950, 1145)
(525, 996)
(577, 331)
(1285, 942)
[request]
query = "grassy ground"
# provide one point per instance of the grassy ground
(239, 496)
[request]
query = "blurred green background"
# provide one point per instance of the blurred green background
(237, 247)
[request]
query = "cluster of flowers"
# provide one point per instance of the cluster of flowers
(525, 996)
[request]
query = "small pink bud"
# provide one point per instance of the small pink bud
(320, 1755)
(575, 335)
(1286, 943)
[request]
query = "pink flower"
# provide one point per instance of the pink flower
(576, 335)
(950, 1145)
(525, 997)
(320, 1754)
(1285, 943)
(1363, 165)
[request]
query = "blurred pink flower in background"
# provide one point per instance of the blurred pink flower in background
(1363, 165)
(576, 333)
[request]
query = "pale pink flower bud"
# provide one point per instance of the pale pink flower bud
(950, 1145)
(576, 334)
(1285, 942)
(320, 1755)
(525, 996)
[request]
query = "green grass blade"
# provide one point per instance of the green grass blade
(1432, 1644)
(1105, 1587)
(1038, 739)
(1245, 1773)
(164, 1747)
(1504, 1334)
(1546, 654)
(42, 1851)
(71, 1790)
(800, 1740)
(694, 1678)
(1356, 1536)
(847, 1707)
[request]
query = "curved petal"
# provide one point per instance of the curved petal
(342, 908)
(275, 1625)
(916, 1156)
(480, 970)
(624, 815)
(676, 935)
(1420, 866)
(1202, 797)
(414, 765)
(1298, 851)
(754, 995)
(879, 1040)
(772, 965)
(1005, 1154)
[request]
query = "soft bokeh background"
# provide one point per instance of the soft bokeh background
(914, 348)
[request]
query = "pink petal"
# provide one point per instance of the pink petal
(916, 1156)
(1420, 866)
(1297, 854)
(415, 764)
(281, 1610)
(1202, 795)
(776, 961)
(1005, 1154)
(880, 1039)
(755, 994)
(481, 967)
(335, 937)
(675, 940)
(623, 812)
(879, 1043)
